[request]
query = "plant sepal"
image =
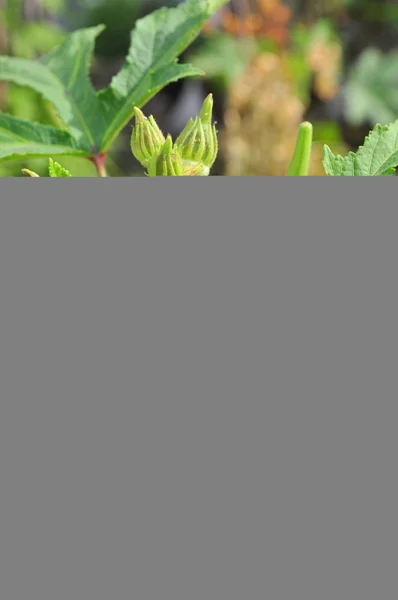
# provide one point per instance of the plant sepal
(146, 138)
(197, 143)
(167, 163)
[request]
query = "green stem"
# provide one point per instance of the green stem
(300, 163)
(99, 162)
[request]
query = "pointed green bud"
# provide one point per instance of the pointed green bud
(206, 112)
(167, 163)
(197, 142)
(146, 138)
(29, 173)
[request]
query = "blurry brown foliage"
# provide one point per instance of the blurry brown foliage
(263, 109)
(261, 122)
(269, 18)
(325, 58)
(272, 19)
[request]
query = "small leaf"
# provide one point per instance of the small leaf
(19, 137)
(55, 170)
(377, 157)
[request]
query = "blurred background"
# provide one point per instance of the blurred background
(269, 63)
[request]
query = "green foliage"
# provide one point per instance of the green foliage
(381, 11)
(29, 39)
(90, 121)
(327, 132)
(372, 88)
(33, 38)
(303, 38)
(53, 6)
(377, 157)
(19, 137)
(55, 170)
(39, 77)
(94, 119)
(224, 58)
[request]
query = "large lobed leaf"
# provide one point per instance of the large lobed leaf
(94, 119)
(377, 157)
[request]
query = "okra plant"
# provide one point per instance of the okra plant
(90, 121)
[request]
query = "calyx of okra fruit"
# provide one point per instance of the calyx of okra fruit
(195, 150)
(192, 154)
(166, 163)
(146, 138)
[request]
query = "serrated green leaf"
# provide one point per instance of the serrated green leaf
(55, 170)
(70, 62)
(62, 77)
(377, 157)
(19, 137)
(338, 166)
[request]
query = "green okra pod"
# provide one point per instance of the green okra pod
(300, 163)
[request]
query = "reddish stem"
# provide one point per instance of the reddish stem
(99, 162)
